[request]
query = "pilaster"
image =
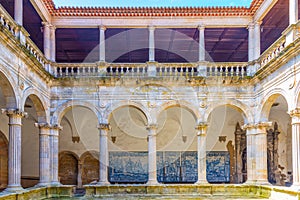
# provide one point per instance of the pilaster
(295, 115)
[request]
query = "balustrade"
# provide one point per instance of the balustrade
(227, 69)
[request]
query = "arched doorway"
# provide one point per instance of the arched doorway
(79, 135)
(35, 110)
(226, 146)
(90, 167)
(279, 141)
(177, 146)
(68, 168)
(128, 147)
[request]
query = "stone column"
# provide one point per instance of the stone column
(47, 43)
(151, 44)
(152, 168)
(256, 52)
(201, 29)
(251, 42)
(201, 150)
(102, 44)
(52, 43)
(103, 155)
(44, 132)
(79, 176)
(14, 149)
(54, 149)
(19, 12)
(295, 114)
(293, 11)
(257, 170)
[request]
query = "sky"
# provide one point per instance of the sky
(153, 3)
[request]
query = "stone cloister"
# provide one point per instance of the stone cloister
(104, 100)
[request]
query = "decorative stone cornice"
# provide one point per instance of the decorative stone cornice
(104, 126)
(14, 113)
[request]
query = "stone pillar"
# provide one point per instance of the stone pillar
(14, 149)
(152, 168)
(102, 44)
(54, 149)
(201, 29)
(47, 42)
(79, 176)
(151, 44)
(103, 155)
(201, 150)
(295, 114)
(44, 130)
(19, 12)
(257, 170)
(256, 52)
(293, 11)
(251, 42)
(52, 43)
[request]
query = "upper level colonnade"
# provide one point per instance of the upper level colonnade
(201, 65)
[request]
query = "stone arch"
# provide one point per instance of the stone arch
(123, 104)
(9, 91)
(235, 104)
(68, 168)
(3, 161)
(297, 95)
(89, 167)
(38, 102)
(268, 100)
(182, 104)
(65, 107)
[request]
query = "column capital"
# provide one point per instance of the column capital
(102, 28)
(56, 127)
(201, 128)
(151, 28)
(14, 112)
(201, 27)
(250, 25)
(42, 125)
(152, 127)
(295, 115)
(257, 23)
(46, 24)
(258, 125)
(104, 126)
(52, 27)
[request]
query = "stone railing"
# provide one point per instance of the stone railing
(127, 69)
(273, 51)
(238, 69)
(8, 22)
(21, 34)
(176, 69)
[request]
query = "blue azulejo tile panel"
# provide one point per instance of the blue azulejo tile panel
(177, 167)
(128, 167)
(218, 167)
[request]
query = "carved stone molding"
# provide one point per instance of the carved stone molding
(104, 126)
(258, 125)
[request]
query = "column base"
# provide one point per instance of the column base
(201, 182)
(103, 183)
(152, 182)
(55, 183)
(257, 182)
(14, 189)
(43, 184)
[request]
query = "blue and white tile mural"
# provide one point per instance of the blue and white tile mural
(172, 166)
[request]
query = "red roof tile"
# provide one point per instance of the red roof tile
(152, 11)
